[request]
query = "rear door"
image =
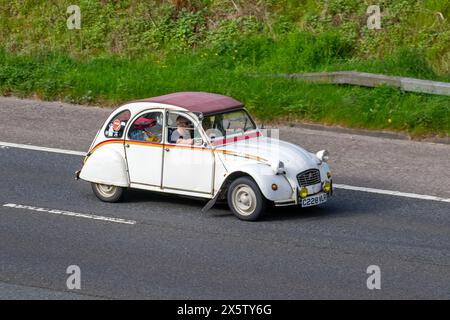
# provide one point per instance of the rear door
(144, 148)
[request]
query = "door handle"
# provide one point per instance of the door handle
(167, 149)
(127, 145)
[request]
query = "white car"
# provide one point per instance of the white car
(202, 145)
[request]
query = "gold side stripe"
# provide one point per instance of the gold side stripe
(171, 146)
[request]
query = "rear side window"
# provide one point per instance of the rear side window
(116, 126)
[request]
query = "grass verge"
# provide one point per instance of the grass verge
(110, 80)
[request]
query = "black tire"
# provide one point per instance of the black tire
(249, 203)
(114, 193)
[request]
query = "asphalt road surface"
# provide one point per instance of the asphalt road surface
(155, 246)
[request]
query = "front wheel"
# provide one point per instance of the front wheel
(245, 199)
(107, 193)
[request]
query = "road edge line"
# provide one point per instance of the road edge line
(392, 193)
(37, 148)
(68, 213)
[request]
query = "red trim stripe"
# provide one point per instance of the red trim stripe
(236, 138)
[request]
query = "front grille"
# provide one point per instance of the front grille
(308, 177)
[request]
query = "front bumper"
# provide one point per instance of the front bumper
(312, 191)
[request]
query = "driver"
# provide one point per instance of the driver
(182, 134)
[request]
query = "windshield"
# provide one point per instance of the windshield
(229, 124)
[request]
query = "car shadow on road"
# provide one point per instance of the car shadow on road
(142, 196)
(343, 204)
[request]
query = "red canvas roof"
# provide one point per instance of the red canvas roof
(204, 102)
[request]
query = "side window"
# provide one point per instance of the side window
(181, 130)
(213, 126)
(116, 126)
(147, 127)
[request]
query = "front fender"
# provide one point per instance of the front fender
(107, 165)
(265, 177)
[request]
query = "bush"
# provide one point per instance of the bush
(299, 52)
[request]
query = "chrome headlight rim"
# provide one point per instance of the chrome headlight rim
(323, 155)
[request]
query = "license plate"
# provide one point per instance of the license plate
(314, 200)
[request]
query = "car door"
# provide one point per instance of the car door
(144, 148)
(188, 162)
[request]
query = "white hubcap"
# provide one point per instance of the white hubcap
(244, 199)
(105, 190)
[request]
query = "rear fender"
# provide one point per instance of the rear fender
(107, 165)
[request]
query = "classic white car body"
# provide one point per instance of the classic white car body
(200, 170)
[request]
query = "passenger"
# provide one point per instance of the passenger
(141, 130)
(182, 134)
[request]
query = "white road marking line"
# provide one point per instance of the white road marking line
(36, 148)
(68, 213)
(338, 186)
(392, 193)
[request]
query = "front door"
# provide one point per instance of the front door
(144, 148)
(188, 164)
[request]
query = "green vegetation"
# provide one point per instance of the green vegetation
(133, 49)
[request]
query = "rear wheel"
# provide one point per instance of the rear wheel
(245, 199)
(107, 193)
